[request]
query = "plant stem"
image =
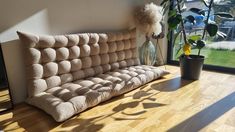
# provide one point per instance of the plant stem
(207, 19)
(199, 51)
(206, 22)
(181, 22)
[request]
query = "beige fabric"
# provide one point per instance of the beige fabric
(70, 73)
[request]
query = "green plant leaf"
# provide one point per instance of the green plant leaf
(195, 37)
(197, 11)
(201, 44)
(192, 42)
(190, 19)
(221, 34)
(174, 21)
(224, 15)
(212, 29)
(172, 13)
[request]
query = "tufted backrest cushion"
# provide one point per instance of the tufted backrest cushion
(55, 60)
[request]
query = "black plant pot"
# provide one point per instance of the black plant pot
(191, 66)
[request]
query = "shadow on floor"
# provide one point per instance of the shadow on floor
(5, 104)
(171, 85)
(148, 94)
(145, 97)
(206, 116)
(33, 119)
(80, 124)
(27, 116)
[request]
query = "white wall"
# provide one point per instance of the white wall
(54, 17)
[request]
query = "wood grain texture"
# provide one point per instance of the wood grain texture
(5, 100)
(169, 104)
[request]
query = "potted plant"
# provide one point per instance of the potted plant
(191, 65)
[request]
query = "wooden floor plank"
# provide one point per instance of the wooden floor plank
(169, 104)
(5, 101)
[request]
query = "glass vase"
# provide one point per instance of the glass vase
(148, 53)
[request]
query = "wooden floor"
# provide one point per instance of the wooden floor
(5, 100)
(169, 104)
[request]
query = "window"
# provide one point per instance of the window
(219, 52)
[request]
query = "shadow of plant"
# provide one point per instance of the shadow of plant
(121, 119)
(124, 106)
(84, 125)
(139, 97)
(148, 94)
(134, 114)
(171, 85)
(152, 105)
(140, 94)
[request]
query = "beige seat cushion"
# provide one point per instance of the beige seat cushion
(64, 101)
(67, 74)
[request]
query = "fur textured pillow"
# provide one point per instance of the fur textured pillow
(148, 18)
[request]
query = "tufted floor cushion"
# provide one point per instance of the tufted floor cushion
(67, 74)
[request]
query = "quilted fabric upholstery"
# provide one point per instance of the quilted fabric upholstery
(70, 73)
